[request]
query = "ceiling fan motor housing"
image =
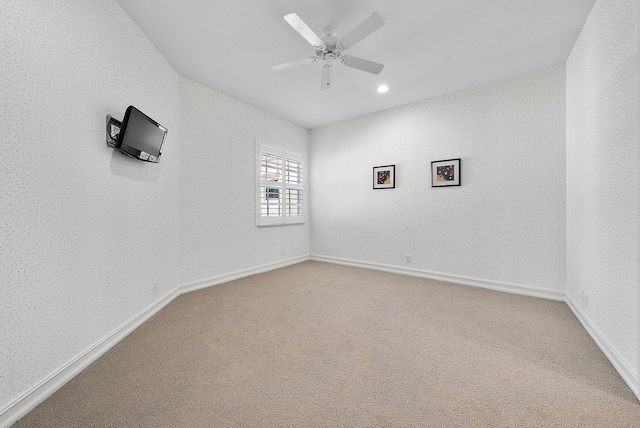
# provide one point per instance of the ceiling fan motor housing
(331, 49)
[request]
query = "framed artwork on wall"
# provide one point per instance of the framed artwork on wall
(445, 173)
(384, 177)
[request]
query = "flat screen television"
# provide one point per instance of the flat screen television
(140, 136)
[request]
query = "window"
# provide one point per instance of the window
(279, 186)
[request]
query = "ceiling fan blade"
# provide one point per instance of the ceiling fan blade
(363, 64)
(294, 63)
(368, 26)
(326, 77)
(301, 27)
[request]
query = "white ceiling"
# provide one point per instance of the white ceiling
(428, 47)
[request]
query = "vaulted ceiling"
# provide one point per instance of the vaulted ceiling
(428, 48)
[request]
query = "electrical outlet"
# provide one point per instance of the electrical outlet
(407, 258)
(586, 300)
(155, 287)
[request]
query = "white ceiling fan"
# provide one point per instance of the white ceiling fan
(331, 49)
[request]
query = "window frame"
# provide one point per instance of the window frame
(282, 185)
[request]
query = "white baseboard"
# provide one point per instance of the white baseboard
(456, 279)
(24, 403)
(219, 279)
(21, 405)
(628, 373)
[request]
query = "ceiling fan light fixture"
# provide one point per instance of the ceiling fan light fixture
(383, 88)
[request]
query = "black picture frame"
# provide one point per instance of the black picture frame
(446, 173)
(384, 177)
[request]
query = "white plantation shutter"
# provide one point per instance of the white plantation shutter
(293, 197)
(279, 187)
(270, 188)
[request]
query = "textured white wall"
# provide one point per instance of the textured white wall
(218, 184)
(505, 223)
(602, 173)
(84, 230)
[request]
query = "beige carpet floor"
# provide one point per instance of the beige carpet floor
(322, 345)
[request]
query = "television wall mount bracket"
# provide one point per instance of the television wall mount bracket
(112, 136)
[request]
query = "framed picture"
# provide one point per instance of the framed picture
(384, 177)
(445, 173)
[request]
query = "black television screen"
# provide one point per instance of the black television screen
(140, 136)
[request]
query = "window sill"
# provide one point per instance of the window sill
(281, 224)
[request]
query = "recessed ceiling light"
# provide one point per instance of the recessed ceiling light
(383, 88)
